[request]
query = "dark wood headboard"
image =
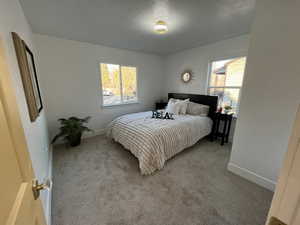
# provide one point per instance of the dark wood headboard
(211, 101)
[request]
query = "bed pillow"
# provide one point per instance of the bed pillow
(197, 109)
(183, 105)
(173, 107)
(180, 104)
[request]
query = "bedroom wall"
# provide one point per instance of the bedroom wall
(71, 71)
(13, 19)
(198, 60)
(271, 93)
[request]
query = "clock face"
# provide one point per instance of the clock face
(186, 77)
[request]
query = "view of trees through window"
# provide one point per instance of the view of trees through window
(226, 81)
(119, 84)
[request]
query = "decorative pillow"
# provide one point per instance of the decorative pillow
(183, 107)
(197, 109)
(173, 107)
(182, 104)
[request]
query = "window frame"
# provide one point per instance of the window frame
(121, 86)
(208, 87)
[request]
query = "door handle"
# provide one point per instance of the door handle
(37, 188)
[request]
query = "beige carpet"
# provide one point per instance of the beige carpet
(99, 183)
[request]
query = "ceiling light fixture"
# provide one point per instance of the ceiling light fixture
(160, 27)
(161, 16)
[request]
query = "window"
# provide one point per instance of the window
(119, 84)
(226, 79)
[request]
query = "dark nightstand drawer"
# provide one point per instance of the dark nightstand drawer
(160, 105)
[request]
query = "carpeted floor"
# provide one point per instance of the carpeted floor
(98, 183)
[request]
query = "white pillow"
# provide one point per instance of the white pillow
(197, 109)
(180, 104)
(183, 106)
(173, 107)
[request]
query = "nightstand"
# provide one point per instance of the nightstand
(160, 105)
(221, 126)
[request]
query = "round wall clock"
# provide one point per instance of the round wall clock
(186, 76)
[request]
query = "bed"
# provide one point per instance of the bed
(154, 141)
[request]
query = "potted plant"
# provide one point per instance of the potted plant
(227, 108)
(71, 130)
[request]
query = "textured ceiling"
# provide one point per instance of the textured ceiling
(128, 24)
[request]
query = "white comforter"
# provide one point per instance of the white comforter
(153, 141)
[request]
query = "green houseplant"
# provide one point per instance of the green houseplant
(227, 108)
(71, 130)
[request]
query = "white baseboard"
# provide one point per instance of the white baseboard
(249, 175)
(85, 135)
(94, 133)
(49, 197)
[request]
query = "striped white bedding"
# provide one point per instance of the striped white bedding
(153, 141)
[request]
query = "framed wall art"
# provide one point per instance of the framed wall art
(29, 77)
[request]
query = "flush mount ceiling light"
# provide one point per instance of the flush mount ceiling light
(160, 16)
(160, 27)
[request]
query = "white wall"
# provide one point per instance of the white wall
(271, 93)
(12, 19)
(70, 72)
(198, 60)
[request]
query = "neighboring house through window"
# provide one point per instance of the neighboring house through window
(119, 84)
(225, 81)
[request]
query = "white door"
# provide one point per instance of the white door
(18, 205)
(285, 206)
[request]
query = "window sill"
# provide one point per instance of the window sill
(120, 104)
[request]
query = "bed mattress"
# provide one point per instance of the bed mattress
(154, 141)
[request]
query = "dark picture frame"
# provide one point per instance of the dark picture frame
(34, 79)
(29, 77)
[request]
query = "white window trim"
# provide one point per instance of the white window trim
(121, 87)
(232, 87)
(121, 104)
